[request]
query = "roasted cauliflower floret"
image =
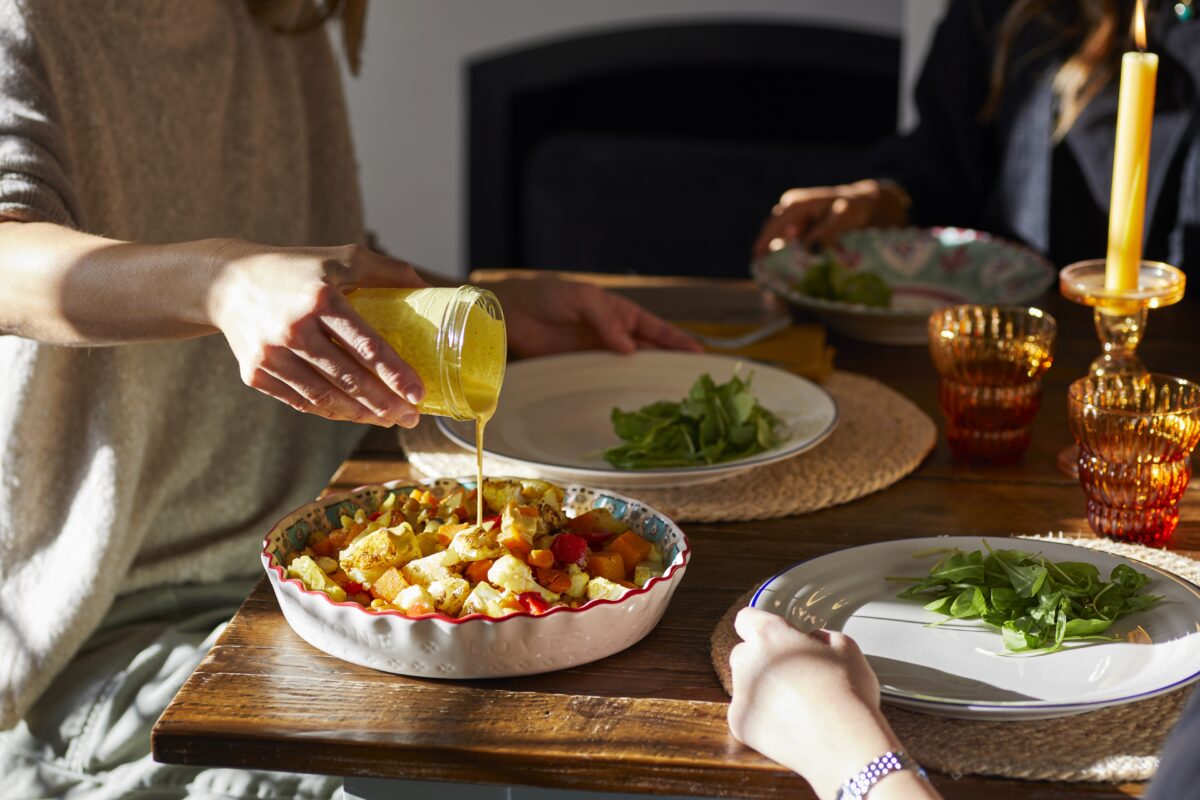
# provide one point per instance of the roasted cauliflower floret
(579, 581)
(314, 578)
(548, 498)
(604, 589)
(484, 599)
(424, 571)
(476, 544)
(523, 521)
(449, 594)
(368, 557)
(498, 494)
(513, 574)
(415, 600)
(545, 497)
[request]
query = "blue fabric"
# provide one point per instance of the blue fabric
(1179, 770)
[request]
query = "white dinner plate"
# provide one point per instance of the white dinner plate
(958, 669)
(554, 418)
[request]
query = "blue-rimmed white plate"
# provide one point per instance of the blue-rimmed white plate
(960, 669)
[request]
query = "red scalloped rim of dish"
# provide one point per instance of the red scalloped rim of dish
(683, 558)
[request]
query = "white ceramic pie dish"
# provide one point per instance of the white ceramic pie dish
(438, 646)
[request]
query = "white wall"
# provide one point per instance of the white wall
(408, 104)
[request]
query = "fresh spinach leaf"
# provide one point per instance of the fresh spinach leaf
(714, 423)
(1038, 605)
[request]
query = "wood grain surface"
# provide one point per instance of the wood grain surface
(652, 718)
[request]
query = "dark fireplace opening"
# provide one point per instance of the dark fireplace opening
(661, 150)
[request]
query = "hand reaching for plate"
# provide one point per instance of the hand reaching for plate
(547, 316)
(811, 702)
(818, 214)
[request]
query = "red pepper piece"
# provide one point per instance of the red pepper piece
(353, 588)
(493, 518)
(569, 549)
(533, 602)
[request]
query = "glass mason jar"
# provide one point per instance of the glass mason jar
(454, 338)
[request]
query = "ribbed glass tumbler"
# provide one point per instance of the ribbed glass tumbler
(991, 360)
(1136, 434)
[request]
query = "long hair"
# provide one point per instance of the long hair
(302, 16)
(1099, 30)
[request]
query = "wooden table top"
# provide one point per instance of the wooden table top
(652, 718)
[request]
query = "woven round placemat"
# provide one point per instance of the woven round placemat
(1115, 744)
(881, 437)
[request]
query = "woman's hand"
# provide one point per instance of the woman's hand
(821, 213)
(296, 338)
(546, 315)
(811, 702)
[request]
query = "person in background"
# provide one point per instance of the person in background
(811, 702)
(1017, 104)
(180, 217)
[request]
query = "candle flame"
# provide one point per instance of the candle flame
(1139, 26)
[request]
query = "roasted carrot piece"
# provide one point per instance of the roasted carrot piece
(541, 558)
(477, 571)
(389, 584)
(326, 547)
(556, 580)
(516, 544)
(633, 549)
(607, 565)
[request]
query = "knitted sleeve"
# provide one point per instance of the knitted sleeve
(34, 172)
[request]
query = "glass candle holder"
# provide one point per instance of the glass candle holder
(1120, 318)
(991, 360)
(1136, 434)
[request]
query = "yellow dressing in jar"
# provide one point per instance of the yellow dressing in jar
(456, 341)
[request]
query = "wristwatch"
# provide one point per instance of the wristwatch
(857, 787)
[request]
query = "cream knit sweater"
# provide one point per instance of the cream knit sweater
(126, 467)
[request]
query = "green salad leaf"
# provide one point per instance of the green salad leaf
(1037, 604)
(826, 277)
(714, 423)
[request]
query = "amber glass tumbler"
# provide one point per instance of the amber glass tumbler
(1136, 434)
(991, 360)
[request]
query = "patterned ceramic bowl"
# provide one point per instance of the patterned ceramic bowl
(927, 269)
(437, 646)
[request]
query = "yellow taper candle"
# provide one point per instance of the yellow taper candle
(1127, 211)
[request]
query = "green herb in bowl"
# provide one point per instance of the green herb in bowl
(1037, 604)
(713, 424)
(826, 277)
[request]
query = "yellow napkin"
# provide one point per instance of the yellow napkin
(798, 348)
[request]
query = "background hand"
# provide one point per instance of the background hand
(296, 338)
(807, 700)
(819, 214)
(546, 315)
